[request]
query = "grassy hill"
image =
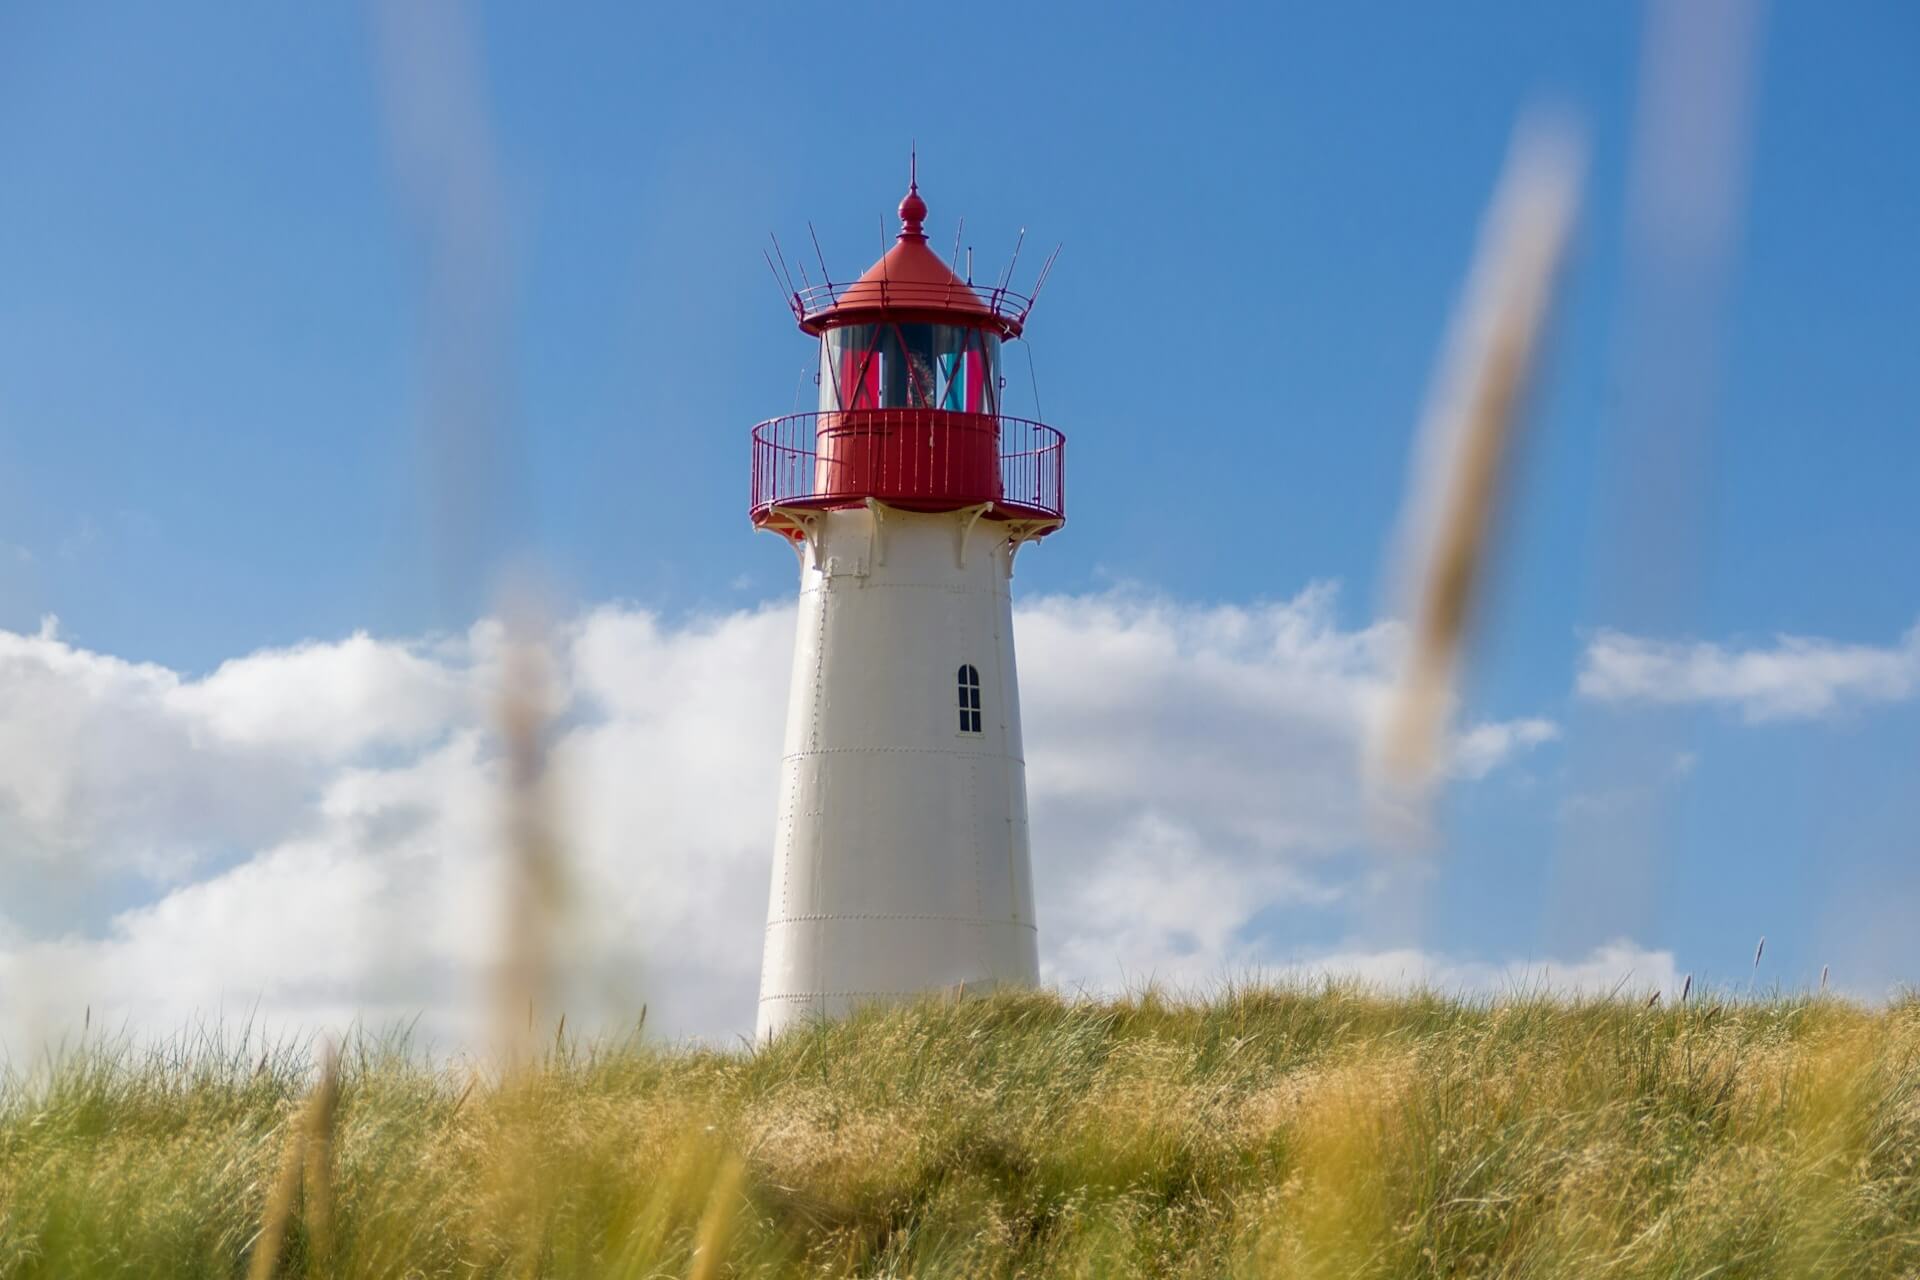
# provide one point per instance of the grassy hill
(1314, 1133)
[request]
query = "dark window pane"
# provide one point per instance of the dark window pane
(969, 691)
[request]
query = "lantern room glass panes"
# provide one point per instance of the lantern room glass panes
(909, 366)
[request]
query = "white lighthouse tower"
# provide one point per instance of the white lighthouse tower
(900, 858)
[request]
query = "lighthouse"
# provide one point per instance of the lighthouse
(901, 861)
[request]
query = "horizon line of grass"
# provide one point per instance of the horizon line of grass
(208, 1039)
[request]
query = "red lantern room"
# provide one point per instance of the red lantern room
(909, 411)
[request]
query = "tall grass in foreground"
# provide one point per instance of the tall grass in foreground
(1331, 1132)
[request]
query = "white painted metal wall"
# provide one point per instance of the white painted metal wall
(900, 861)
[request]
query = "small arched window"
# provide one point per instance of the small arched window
(969, 698)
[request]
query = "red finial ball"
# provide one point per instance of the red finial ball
(913, 212)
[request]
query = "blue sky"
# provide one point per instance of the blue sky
(232, 284)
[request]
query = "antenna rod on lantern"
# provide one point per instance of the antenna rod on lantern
(783, 259)
(793, 295)
(1046, 269)
(794, 303)
(1006, 277)
(958, 229)
(825, 278)
(788, 296)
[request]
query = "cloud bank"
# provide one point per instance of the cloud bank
(1793, 678)
(310, 836)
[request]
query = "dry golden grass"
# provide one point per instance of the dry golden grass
(1331, 1132)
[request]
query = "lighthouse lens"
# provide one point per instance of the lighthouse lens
(909, 366)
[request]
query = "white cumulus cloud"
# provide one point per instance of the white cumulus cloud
(315, 832)
(1485, 747)
(1619, 966)
(1793, 677)
(329, 700)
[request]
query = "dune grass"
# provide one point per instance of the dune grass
(1327, 1132)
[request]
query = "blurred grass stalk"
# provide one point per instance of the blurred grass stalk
(1454, 493)
(306, 1174)
(1655, 484)
(535, 898)
(447, 175)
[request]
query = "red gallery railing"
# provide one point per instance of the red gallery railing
(918, 459)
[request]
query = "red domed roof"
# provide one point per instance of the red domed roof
(911, 283)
